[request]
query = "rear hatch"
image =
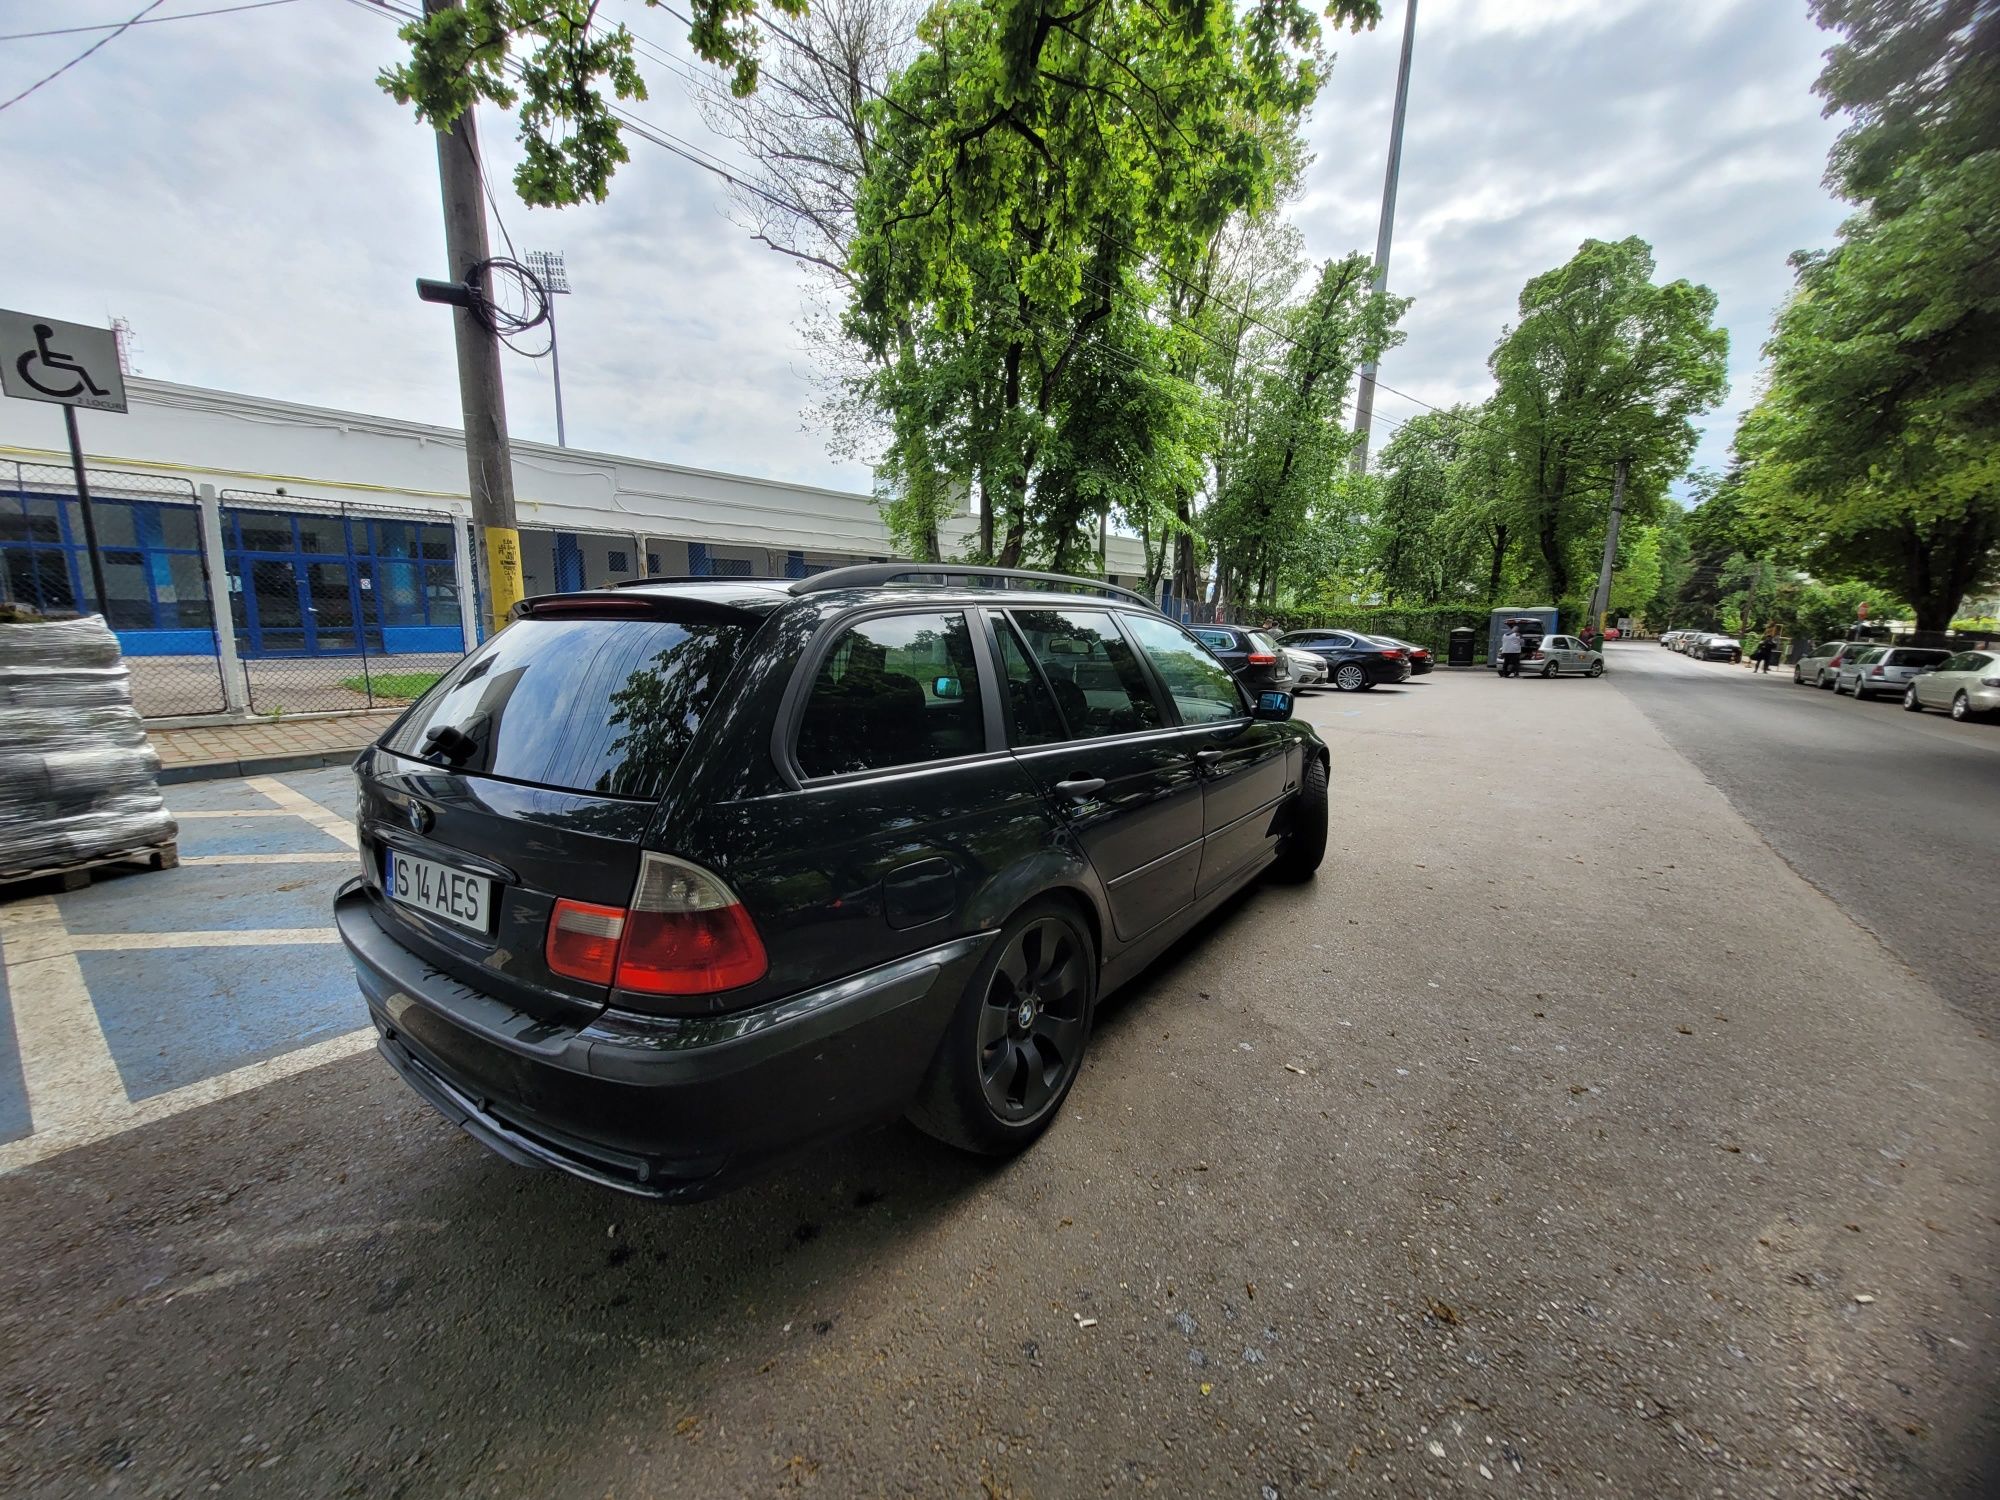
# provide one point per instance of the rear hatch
(530, 774)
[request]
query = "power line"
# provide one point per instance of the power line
(86, 52)
(186, 15)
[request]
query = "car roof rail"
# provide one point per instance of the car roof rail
(864, 575)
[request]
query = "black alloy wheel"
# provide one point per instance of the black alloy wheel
(1016, 1042)
(1031, 1029)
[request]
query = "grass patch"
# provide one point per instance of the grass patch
(403, 685)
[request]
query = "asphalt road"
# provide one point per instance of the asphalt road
(1894, 815)
(1559, 1140)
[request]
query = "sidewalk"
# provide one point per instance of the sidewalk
(262, 748)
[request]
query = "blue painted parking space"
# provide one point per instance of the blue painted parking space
(156, 990)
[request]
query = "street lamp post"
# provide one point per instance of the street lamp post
(547, 267)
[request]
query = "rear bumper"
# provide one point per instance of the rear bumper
(661, 1107)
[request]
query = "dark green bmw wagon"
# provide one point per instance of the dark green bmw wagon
(665, 882)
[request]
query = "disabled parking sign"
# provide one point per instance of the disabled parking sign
(70, 364)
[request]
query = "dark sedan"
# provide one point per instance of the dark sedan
(1353, 661)
(1251, 655)
(1421, 660)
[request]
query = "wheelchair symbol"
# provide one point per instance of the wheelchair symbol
(56, 360)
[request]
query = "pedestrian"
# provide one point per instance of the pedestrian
(1589, 636)
(1510, 651)
(1768, 649)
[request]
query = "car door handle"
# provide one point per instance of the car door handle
(1208, 757)
(1080, 786)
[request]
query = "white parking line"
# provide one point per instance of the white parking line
(260, 937)
(304, 806)
(66, 1065)
(45, 1143)
(315, 857)
(237, 812)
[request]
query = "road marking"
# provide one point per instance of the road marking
(315, 857)
(71, 1080)
(298, 802)
(72, 1133)
(120, 942)
(238, 812)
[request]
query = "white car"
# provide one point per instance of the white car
(1966, 686)
(1563, 653)
(1308, 670)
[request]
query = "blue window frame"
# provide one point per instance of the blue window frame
(151, 552)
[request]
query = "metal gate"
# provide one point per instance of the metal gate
(336, 605)
(160, 596)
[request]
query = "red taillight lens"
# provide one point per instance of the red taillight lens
(583, 941)
(1393, 655)
(684, 934)
(1875, 672)
(691, 953)
(1260, 659)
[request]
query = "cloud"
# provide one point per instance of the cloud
(240, 189)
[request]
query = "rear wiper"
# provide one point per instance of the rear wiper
(450, 745)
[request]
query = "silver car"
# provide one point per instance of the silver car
(1965, 685)
(1563, 653)
(1308, 670)
(1882, 670)
(1822, 663)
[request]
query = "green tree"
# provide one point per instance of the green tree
(1426, 541)
(1636, 578)
(1875, 452)
(1603, 366)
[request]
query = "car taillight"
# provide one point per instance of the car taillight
(583, 941)
(685, 933)
(1393, 655)
(1989, 682)
(1874, 671)
(1260, 658)
(1534, 656)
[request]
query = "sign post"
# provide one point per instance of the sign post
(69, 365)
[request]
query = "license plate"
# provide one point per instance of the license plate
(438, 890)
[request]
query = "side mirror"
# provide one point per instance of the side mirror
(1273, 706)
(947, 687)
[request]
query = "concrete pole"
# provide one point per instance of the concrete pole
(1600, 598)
(221, 603)
(1364, 398)
(489, 460)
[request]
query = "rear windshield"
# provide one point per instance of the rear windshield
(604, 705)
(1912, 658)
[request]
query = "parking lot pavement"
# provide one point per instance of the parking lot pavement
(151, 993)
(1558, 1140)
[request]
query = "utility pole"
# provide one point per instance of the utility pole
(1600, 598)
(1364, 398)
(489, 460)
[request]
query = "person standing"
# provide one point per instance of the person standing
(1768, 649)
(1510, 651)
(1588, 635)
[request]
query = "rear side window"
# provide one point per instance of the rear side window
(1907, 658)
(1099, 683)
(1867, 656)
(893, 691)
(588, 705)
(1217, 640)
(1031, 713)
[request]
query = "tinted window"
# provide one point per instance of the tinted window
(1098, 682)
(1201, 686)
(1908, 658)
(1031, 711)
(1221, 640)
(1867, 656)
(587, 705)
(1976, 662)
(893, 691)
(1262, 642)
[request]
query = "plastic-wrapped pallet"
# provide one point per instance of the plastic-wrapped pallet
(78, 779)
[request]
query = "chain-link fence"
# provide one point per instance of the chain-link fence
(341, 605)
(158, 595)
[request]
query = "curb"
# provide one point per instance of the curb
(256, 765)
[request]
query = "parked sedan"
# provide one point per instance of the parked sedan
(1251, 655)
(1966, 685)
(1563, 653)
(1822, 663)
(1717, 648)
(1421, 660)
(1353, 661)
(1307, 670)
(1882, 670)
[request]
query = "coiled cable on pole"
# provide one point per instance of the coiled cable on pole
(516, 303)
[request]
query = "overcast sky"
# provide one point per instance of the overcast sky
(240, 190)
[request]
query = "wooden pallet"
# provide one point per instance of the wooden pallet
(77, 874)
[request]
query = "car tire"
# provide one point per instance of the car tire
(1911, 703)
(1349, 678)
(1822, 683)
(1596, 669)
(1549, 670)
(1798, 678)
(1961, 709)
(987, 1056)
(1304, 844)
